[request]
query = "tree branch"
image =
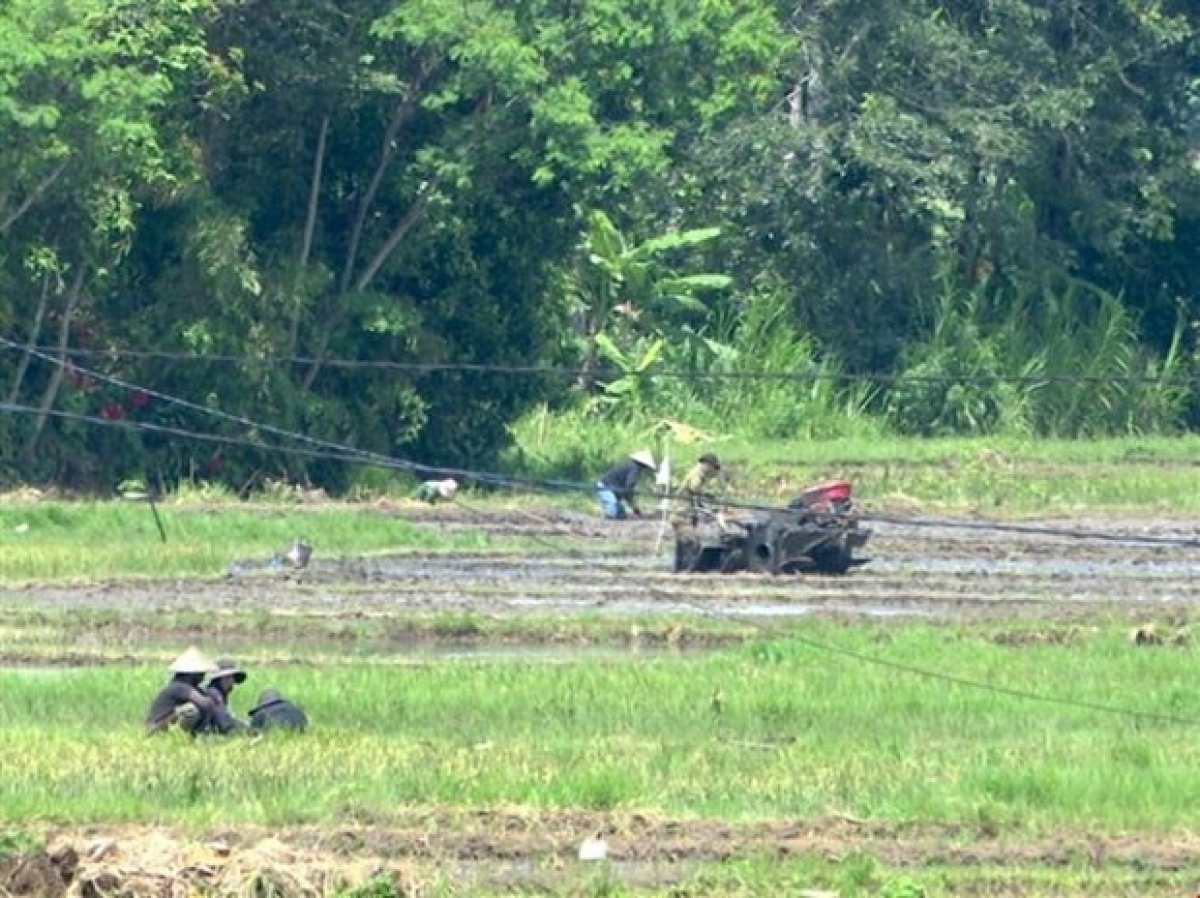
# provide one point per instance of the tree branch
(406, 224)
(401, 114)
(310, 226)
(35, 332)
(37, 191)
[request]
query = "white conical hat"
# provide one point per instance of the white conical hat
(192, 661)
(644, 457)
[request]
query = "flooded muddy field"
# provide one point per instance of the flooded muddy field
(580, 569)
(577, 565)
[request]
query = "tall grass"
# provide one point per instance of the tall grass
(1064, 360)
(809, 402)
(723, 400)
(776, 729)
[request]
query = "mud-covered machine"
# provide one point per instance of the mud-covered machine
(817, 533)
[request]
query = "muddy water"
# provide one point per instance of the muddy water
(623, 570)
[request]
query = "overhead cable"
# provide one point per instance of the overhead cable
(324, 449)
(812, 373)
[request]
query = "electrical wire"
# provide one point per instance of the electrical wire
(877, 661)
(812, 374)
(333, 451)
(328, 450)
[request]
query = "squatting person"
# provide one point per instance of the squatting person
(182, 701)
(221, 683)
(274, 712)
(618, 487)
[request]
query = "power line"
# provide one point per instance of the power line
(877, 661)
(327, 450)
(1039, 530)
(809, 375)
(333, 451)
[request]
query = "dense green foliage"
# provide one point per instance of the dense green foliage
(940, 216)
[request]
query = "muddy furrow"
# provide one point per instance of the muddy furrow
(933, 570)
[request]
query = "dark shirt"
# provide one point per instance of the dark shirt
(281, 715)
(221, 721)
(170, 697)
(622, 479)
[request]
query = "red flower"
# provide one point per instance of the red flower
(139, 399)
(111, 411)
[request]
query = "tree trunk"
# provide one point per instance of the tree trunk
(51, 392)
(35, 333)
(44, 185)
(310, 226)
(403, 111)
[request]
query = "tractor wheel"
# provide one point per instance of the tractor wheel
(734, 561)
(687, 553)
(762, 551)
(832, 559)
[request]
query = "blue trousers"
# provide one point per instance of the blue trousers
(613, 508)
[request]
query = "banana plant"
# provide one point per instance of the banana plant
(630, 387)
(626, 293)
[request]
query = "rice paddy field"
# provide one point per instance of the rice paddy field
(512, 697)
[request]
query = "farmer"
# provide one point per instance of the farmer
(693, 499)
(435, 491)
(616, 489)
(181, 701)
(274, 712)
(221, 683)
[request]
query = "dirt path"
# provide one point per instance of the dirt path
(540, 852)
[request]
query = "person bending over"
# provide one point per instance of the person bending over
(617, 489)
(274, 712)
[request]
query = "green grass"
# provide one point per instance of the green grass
(57, 540)
(771, 730)
(88, 540)
(1002, 476)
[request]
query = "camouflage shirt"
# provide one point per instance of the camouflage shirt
(692, 495)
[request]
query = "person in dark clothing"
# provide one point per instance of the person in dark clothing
(617, 488)
(221, 683)
(274, 712)
(182, 701)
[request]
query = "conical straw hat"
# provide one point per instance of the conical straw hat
(192, 662)
(644, 457)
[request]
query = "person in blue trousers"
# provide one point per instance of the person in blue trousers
(617, 489)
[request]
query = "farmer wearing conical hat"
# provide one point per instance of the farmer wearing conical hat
(617, 489)
(181, 701)
(274, 712)
(221, 683)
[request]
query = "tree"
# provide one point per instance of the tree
(83, 87)
(962, 144)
